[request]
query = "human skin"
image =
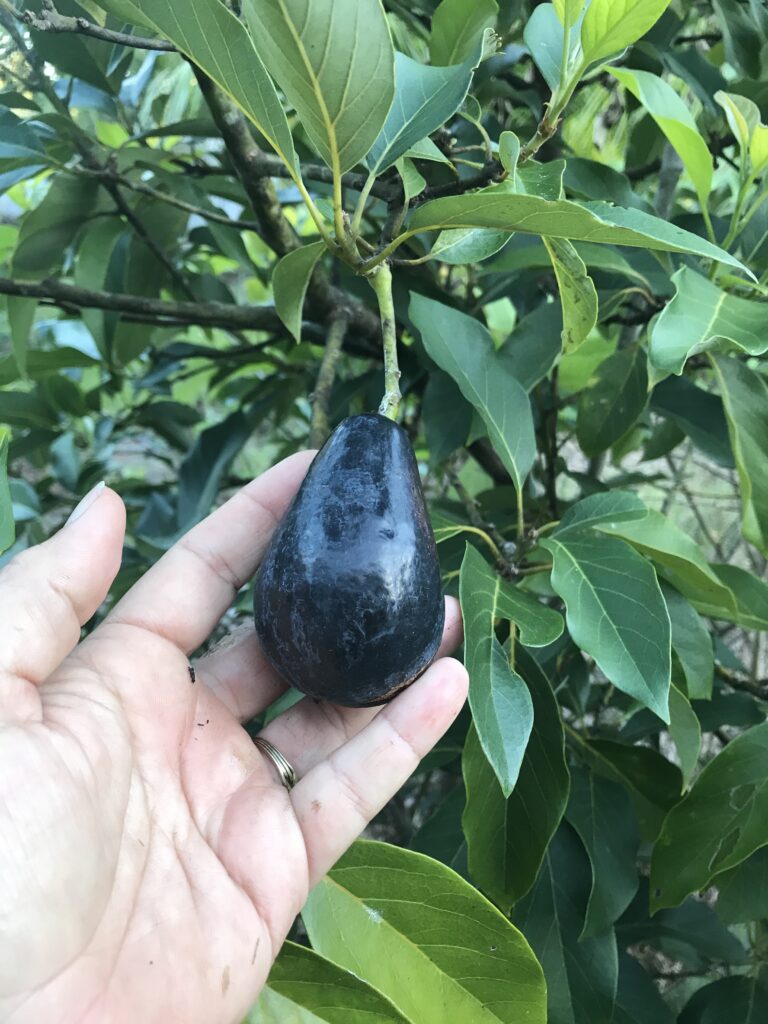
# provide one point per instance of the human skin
(151, 863)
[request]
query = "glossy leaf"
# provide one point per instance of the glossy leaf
(201, 472)
(7, 528)
(608, 508)
(578, 296)
(678, 557)
(601, 812)
(638, 1000)
(441, 835)
(742, 892)
(701, 316)
(290, 280)
(507, 838)
(613, 401)
(570, 9)
(692, 643)
(743, 43)
(219, 44)
(653, 782)
(425, 97)
(615, 612)
(456, 26)
(685, 732)
(745, 395)
(533, 347)
(718, 824)
(581, 973)
(305, 988)
(610, 26)
(501, 703)
(676, 121)
(698, 413)
(543, 35)
(463, 348)
(590, 222)
(749, 593)
(389, 913)
(743, 999)
(334, 61)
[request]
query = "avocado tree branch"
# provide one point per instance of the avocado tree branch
(321, 397)
(48, 19)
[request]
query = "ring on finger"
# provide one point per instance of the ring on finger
(284, 767)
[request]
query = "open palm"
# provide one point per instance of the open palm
(151, 863)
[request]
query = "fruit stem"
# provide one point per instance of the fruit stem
(381, 282)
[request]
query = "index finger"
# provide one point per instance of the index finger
(185, 594)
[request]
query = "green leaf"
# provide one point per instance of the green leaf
(468, 245)
(507, 838)
(543, 35)
(463, 348)
(685, 731)
(679, 557)
(72, 54)
(698, 413)
(615, 612)
(456, 26)
(334, 61)
(46, 233)
(692, 644)
(509, 152)
(7, 527)
(390, 914)
(201, 471)
(743, 41)
(610, 26)
(533, 347)
(610, 507)
(591, 222)
(290, 280)
(613, 400)
(441, 835)
(718, 824)
(94, 253)
(581, 973)
(749, 593)
(529, 254)
(676, 121)
(304, 988)
(743, 891)
(741, 998)
(425, 98)
(577, 292)
(500, 700)
(446, 416)
(218, 42)
(701, 316)
(745, 396)
(653, 782)
(570, 9)
(638, 1000)
(602, 814)
(743, 118)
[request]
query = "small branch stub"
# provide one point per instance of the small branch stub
(381, 282)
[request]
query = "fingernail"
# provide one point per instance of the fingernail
(86, 502)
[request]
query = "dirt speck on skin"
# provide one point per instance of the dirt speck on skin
(255, 951)
(316, 806)
(225, 980)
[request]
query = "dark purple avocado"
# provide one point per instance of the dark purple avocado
(348, 601)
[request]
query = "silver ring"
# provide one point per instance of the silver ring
(284, 767)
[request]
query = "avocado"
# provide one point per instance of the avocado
(348, 601)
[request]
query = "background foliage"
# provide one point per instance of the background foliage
(194, 199)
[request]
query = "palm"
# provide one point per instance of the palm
(163, 862)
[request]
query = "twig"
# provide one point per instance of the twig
(49, 20)
(381, 282)
(167, 197)
(472, 508)
(758, 688)
(320, 427)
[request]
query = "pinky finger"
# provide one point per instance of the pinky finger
(336, 800)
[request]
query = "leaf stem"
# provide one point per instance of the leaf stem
(381, 282)
(362, 200)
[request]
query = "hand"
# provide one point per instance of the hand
(150, 862)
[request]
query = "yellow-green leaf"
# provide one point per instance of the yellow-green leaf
(610, 26)
(334, 60)
(578, 295)
(456, 26)
(290, 280)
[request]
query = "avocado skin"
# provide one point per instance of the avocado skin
(348, 601)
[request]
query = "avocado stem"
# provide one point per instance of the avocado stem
(381, 282)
